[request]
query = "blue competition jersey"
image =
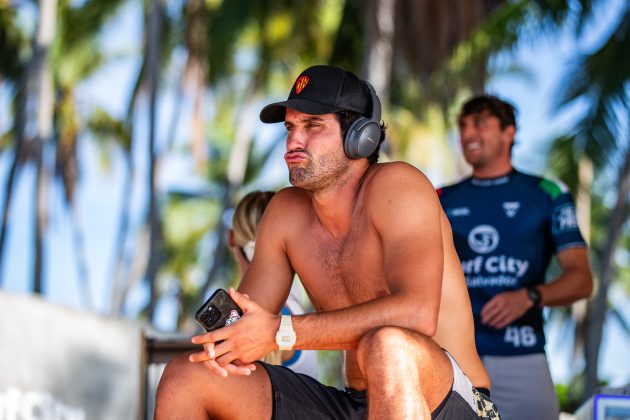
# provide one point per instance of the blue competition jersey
(505, 231)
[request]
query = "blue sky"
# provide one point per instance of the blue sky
(99, 190)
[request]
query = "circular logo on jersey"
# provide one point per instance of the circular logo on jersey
(483, 239)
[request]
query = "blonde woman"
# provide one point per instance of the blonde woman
(242, 241)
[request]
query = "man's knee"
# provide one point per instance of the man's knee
(388, 341)
(180, 375)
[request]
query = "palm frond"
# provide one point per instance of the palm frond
(12, 44)
(601, 79)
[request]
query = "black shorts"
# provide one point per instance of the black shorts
(299, 396)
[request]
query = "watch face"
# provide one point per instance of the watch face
(534, 295)
(285, 340)
(285, 337)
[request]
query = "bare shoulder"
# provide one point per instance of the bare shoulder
(398, 179)
(289, 197)
(399, 191)
(288, 206)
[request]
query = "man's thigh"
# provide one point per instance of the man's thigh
(299, 396)
(522, 387)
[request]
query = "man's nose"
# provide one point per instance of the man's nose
(466, 131)
(295, 139)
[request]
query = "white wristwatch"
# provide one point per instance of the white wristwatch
(285, 337)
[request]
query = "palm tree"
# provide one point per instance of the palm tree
(62, 58)
(12, 70)
(40, 70)
(153, 61)
(601, 78)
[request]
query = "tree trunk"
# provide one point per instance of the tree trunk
(45, 102)
(196, 12)
(18, 135)
(123, 266)
(120, 265)
(154, 222)
(583, 208)
(606, 271)
(379, 46)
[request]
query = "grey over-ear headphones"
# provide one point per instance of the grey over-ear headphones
(362, 137)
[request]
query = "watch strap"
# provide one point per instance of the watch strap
(533, 294)
(285, 337)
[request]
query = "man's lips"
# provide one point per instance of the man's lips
(294, 157)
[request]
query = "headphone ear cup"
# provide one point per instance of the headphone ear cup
(362, 138)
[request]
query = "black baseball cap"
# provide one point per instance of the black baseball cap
(322, 90)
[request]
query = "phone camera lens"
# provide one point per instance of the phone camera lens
(214, 314)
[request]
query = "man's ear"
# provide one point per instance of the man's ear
(509, 132)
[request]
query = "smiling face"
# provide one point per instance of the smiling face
(486, 146)
(315, 155)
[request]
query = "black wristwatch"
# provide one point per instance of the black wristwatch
(533, 294)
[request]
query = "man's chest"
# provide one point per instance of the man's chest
(338, 272)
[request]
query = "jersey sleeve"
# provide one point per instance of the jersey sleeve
(565, 232)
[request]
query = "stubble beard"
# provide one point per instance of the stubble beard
(315, 175)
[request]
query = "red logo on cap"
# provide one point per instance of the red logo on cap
(301, 83)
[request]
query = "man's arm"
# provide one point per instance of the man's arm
(266, 280)
(405, 213)
(575, 282)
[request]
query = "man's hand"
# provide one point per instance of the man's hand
(504, 308)
(232, 350)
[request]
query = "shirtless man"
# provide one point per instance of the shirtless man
(374, 252)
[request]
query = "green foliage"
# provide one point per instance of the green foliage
(570, 395)
(107, 129)
(186, 221)
(78, 26)
(347, 51)
(564, 163)
(12, 43)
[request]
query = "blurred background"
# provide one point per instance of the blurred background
(129, 129)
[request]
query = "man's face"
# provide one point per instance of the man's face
(315, 155)
(483, 141)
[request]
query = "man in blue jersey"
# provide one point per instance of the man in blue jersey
(506, 226)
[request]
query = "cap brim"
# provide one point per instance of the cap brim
(276, 112)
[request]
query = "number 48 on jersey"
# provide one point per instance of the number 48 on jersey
(520, 336)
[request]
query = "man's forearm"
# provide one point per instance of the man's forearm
(342, 329)
(569, 287)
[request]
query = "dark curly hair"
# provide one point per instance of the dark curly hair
(499, 108)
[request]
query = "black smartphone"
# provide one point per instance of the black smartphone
(219, 311)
